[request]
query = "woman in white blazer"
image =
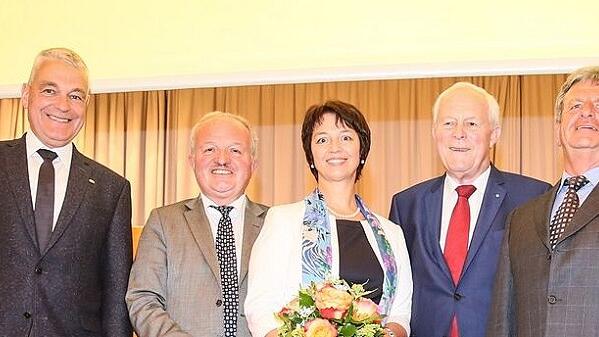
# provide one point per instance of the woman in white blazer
(331, 233)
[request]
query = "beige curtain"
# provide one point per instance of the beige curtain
(13, 120)
(144, 135)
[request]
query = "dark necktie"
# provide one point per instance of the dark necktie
(456, 243)
(566, 210)
(225, 250)
(44, 199)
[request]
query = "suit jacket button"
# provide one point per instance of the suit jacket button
(27, 315)
(552, 299)
(38, 270)
(457, 296)
(219, 302)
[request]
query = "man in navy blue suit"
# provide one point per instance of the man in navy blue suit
(454, 224)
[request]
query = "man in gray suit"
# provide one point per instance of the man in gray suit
(189, 277)
(547, 283)
(65, 220)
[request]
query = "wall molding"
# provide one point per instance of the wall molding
(333, 74)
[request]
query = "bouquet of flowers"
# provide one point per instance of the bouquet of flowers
(330, 309)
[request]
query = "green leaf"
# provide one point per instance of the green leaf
(305, 300)
(347, 330)
(350, 312)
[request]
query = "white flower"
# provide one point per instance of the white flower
(305, 311)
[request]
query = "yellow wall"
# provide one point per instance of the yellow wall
(123, 39)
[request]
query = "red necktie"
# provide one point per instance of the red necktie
(456, 243)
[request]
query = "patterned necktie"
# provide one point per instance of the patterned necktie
(44, 199)
(566, 210)
(456, 243)
(225, 250)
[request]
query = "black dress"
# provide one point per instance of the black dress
(357, 261)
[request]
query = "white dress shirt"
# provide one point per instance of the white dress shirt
(62, 166)
(237, 216)
(450, 198)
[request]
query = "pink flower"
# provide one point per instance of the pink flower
(319, 327)
(365, 310)
(332, 303)
(330, 313)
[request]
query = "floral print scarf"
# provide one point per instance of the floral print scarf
(317, 252)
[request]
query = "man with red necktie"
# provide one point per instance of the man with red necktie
(454, 224)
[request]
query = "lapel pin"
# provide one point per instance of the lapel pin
(496, 195)
(91, 181)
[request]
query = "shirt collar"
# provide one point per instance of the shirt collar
(33, 143)
(480, 182)
(592, 175)
(238, 205)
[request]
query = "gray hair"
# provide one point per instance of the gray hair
(210, 116)
(579, 75)
(493, 106)
(62, 54)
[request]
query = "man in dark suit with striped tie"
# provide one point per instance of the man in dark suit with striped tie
(65, 220)
(547, 281)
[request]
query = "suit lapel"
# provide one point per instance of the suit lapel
(202, 233)
(585, 214)
(17, 173)
(492, 200)
(433, 207)
(251, 229)
(542, 215)
(80, 174)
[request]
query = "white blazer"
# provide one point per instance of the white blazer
(275, 272)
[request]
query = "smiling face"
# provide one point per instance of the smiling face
(578, 131)
(56, 101)
(222, 160)
(464, 134)
(336, 150)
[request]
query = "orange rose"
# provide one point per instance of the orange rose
(332, 302)
(320, 328)
(365, 310)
